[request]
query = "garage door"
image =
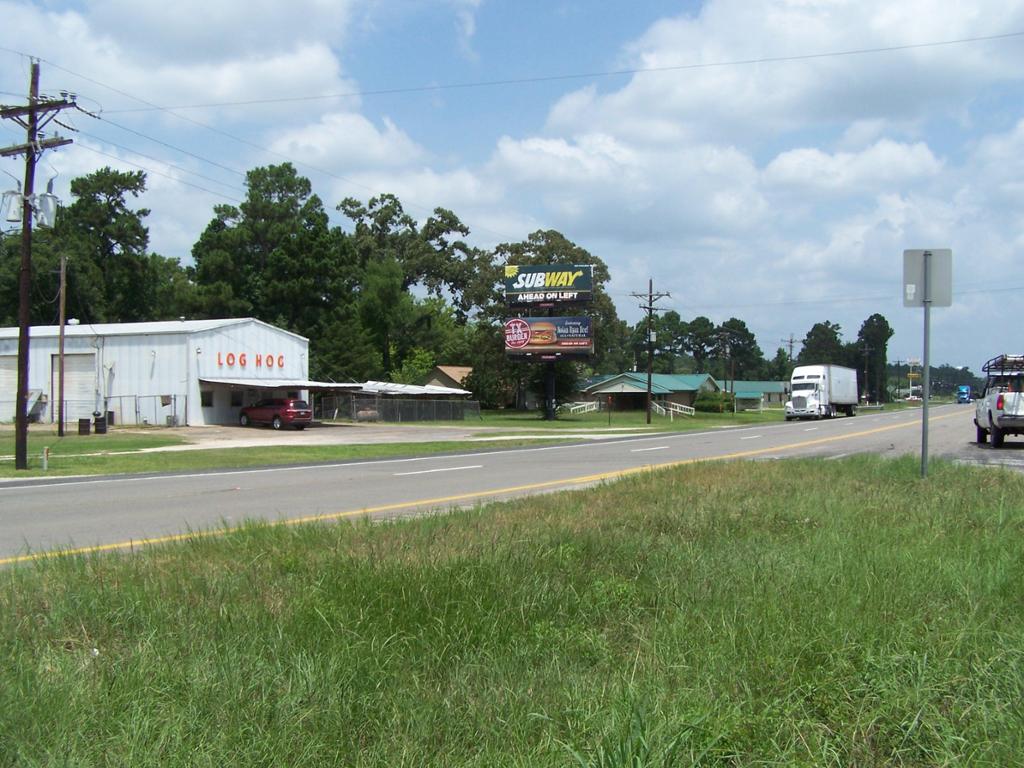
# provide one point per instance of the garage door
(8, 386)
(79, 386)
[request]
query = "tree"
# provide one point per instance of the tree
(821, 345)
(670, 348)
(434, 256)
(110, 274)
(738, 349)
(700, 341)
(384, 305)
(779, 368)
(274, 257)
(873, 343)
(103, 230)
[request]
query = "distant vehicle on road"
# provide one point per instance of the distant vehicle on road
(278, 412)
(1000, 409)
(821, 391)
(963, 393)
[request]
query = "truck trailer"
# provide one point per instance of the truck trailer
(821, 392)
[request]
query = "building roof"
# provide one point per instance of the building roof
(265, 383)
(661, 383)
(455, 372)
(161, 327)
(390, 388)
(757, 387)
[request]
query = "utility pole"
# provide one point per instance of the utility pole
(790, 342)
(33, 117)
(649, 307)
(60, 344)
(866, 349)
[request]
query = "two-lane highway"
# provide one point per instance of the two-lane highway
(120, 512)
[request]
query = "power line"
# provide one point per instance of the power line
(240, 140)
(578, 75)
(170, 146)
(163, 162)
(159, 173)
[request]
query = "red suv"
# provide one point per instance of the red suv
(277, 412)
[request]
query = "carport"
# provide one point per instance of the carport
(242, 391)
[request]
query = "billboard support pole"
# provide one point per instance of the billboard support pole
(549, 391)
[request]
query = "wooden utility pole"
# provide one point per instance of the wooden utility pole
(790, 343)
(60, 344)
(33, 118)
(867, 389)
(651, 297)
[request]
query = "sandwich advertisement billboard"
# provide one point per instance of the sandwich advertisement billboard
(548, 284)
(549, 337)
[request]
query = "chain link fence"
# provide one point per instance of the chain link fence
(394, 410)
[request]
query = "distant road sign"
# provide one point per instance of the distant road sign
(940, 277)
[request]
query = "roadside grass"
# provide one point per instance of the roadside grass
(627, 420)
(68, 461)
(731, 614)
(73, 443)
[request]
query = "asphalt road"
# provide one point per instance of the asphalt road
(121, 512)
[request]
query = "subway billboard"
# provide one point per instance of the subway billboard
(549, 338)
(548, 284)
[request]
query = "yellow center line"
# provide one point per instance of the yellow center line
(453, 499)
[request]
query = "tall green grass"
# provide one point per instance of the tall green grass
(773, 613)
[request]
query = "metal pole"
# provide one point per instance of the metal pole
(650, 344)
(926, 386)
(60, 347)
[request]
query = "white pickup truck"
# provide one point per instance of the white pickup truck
(999, 411)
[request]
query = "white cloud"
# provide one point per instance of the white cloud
(757, 101)
(465, 19)
(884, 164)
(345, 141)
(160, 54)
(218, 31)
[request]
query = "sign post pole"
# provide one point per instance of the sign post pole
(926, 386)
(927, 282)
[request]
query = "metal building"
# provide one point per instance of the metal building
(168, 373)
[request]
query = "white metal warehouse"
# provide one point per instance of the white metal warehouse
(178, 372)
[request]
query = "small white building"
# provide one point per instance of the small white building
(177, 372)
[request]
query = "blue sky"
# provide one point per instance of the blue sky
(763, 160)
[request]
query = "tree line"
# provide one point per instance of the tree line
(386, 297)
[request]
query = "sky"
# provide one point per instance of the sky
(768, 160)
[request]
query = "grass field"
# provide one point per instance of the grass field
(772, 613)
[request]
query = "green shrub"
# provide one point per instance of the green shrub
(714, 402)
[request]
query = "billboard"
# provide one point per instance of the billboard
(549, 338)
(548, 284)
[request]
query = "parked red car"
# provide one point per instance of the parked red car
(277, 412)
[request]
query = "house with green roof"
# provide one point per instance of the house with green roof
(757, 394)
(628, 391)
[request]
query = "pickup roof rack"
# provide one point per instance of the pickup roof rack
(1001, 364)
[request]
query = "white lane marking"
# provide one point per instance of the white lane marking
(643, 450)
(751, 437)
(442, 469)
(837, 456)
(811, 429)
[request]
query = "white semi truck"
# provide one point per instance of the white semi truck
(821, 392)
